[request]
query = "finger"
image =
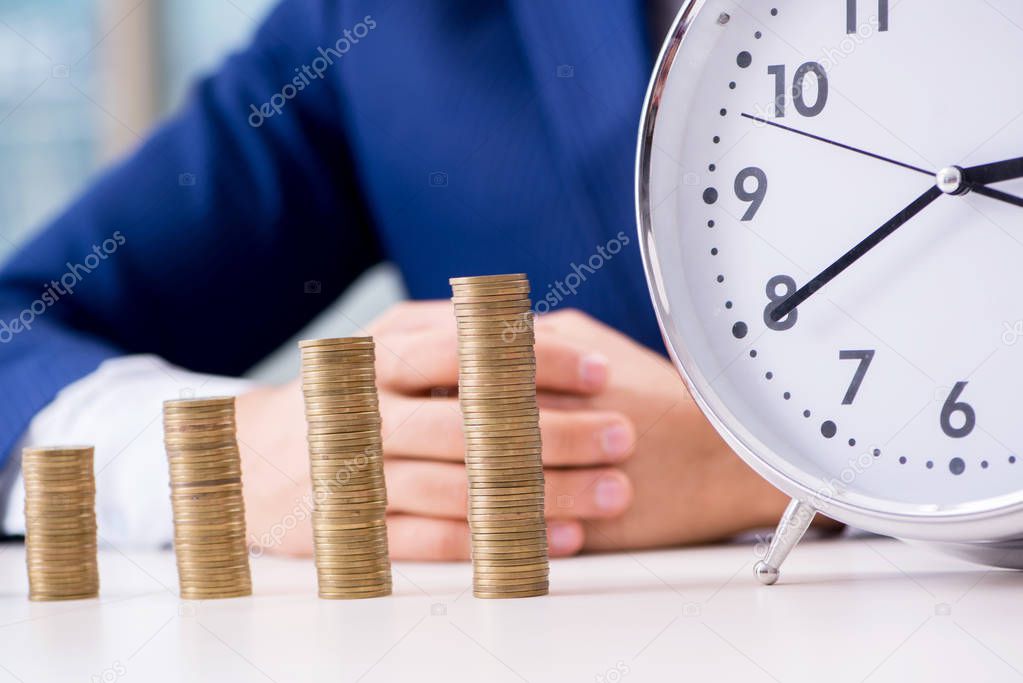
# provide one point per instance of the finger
(415, 362)
(441, 540)
(437, 489)
(596, 493)
(432, 429)
(414, 315)
(425, 539)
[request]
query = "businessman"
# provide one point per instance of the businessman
(449, 137)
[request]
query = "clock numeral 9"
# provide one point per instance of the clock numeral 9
(787, 287)
(954, 406)
(851, 13)
(755, 196)
(799, 89)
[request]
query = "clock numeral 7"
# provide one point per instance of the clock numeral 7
(953, 406)
(865, 358)
(851, 13)
(799, 89)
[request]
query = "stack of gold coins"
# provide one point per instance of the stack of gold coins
(60, 523)
(346, 461)
(497, 391)
(206, 495)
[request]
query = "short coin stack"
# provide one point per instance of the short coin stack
(60, 523)
(497, 391)
(206, 495)
(346, 461)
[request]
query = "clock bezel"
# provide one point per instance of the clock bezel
(991, 519)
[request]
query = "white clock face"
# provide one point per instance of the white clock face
(785, 134)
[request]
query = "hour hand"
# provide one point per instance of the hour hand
(998, 172)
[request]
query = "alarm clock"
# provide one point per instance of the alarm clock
(830, 209)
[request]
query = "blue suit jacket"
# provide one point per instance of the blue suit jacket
(452, 137)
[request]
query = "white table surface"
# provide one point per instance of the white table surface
(846, 610)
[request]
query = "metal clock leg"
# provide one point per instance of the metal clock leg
(791, 528)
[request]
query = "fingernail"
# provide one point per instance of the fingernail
(564, 538)
(611, 494)
(593, 370)
(616, 441)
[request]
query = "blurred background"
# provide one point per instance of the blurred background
(81, 84)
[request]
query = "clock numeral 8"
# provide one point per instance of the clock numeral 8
(787, 286)
(954, 406)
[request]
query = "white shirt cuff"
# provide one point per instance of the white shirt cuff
(118, 409)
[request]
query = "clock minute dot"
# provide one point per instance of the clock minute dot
(807, 414)
(774, 11)
(717, 139)
(902, 460)
(829, 429)
(710, 195)
(753, 353)
(852, 443)
(758, 35)
(720, 279)
(744, 60)
(877, 452)
(731, 86)
(984, 464)
(724, 112)
(930, 464)
(769, 376)
(714, 251)
(728, 305)
(713, 167)
(787, 396)
(740, 330)
(1012, 459)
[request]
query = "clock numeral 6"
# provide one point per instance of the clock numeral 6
(755, 196)
(787, 287)
(851, 13)
(799, 89)
(953, 406)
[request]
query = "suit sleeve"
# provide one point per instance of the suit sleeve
(214, 243)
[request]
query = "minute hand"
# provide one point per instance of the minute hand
(855, 254)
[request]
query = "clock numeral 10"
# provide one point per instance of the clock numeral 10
(953, 406)
(851, 13)
(799, 89)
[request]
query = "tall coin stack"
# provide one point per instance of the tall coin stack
(346, 462)
(500, 418)
(60, 523)
(206, 495)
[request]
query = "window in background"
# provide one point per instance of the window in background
(82, 81)
(48, 136)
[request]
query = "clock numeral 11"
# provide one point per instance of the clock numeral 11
(851, 14)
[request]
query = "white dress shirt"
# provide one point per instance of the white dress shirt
(117, 409)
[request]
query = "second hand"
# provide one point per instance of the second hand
(841, 145)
